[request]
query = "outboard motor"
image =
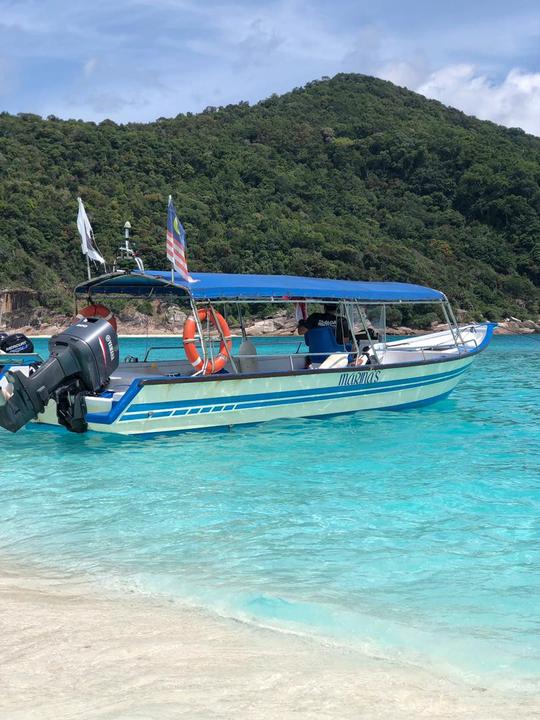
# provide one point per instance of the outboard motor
(17, 343)
(82, 359)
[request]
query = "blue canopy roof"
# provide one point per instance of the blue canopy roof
(222, 286)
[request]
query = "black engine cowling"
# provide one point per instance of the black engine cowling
(82, 359)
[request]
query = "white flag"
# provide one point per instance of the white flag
(87, 236)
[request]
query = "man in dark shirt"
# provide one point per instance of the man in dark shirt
(328, 318)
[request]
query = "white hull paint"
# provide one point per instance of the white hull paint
(175, 406)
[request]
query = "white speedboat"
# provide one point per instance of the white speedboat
(212, 386)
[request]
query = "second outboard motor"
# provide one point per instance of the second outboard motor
(16, 343)
(82, 359)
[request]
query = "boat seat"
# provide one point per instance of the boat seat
(322, 343)
(335, 360)
(247, 364)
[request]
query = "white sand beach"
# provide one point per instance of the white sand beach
(69, 651)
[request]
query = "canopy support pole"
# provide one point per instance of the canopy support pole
(363, 318)
(350, 322)
(241, 320)
(383, 325)
(223, 340)
(451, 326)
(453, 317)
(199, 329)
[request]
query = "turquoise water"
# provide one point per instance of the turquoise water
(412, 535)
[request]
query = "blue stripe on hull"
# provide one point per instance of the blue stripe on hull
(266, 400)
(228, 428)
(342, 391)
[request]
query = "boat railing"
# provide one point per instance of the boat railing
(259, 356)
(425, 353)
(158, 347)
(290, 357)
(305, 353)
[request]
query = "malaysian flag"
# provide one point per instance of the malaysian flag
(301, 311)
(176, 243)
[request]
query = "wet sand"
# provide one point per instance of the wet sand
(71, 650)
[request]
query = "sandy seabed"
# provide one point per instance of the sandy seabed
(71, 650)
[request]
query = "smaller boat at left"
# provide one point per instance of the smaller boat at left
(16, 353)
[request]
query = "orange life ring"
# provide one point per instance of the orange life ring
(190, 328)
(97, 310)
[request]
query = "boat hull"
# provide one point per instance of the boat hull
(151, 406)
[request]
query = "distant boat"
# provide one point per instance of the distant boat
(16, 352)
(83, 386)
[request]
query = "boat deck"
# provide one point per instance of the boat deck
(438, 346)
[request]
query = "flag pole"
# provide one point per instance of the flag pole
(172, 265)
(88, 267)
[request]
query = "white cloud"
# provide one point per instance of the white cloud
(514, 102)
(409, 74)
(296, 29)
(141, 59)
(90, 66)
(25, 17)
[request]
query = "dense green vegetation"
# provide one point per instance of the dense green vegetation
(349, 177)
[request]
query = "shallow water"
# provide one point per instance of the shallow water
(409, 534)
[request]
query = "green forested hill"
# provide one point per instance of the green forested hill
(350, 177)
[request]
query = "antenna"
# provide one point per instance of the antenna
(127, 228)
(127, 257)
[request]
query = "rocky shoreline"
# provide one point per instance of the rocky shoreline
(169, 320)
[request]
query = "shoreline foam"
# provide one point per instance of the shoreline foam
(71, 649)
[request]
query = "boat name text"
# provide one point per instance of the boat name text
(359, 378)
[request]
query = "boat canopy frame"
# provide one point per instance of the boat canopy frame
(237, 289)
(258, 288)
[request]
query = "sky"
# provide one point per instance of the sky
(137, 60)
